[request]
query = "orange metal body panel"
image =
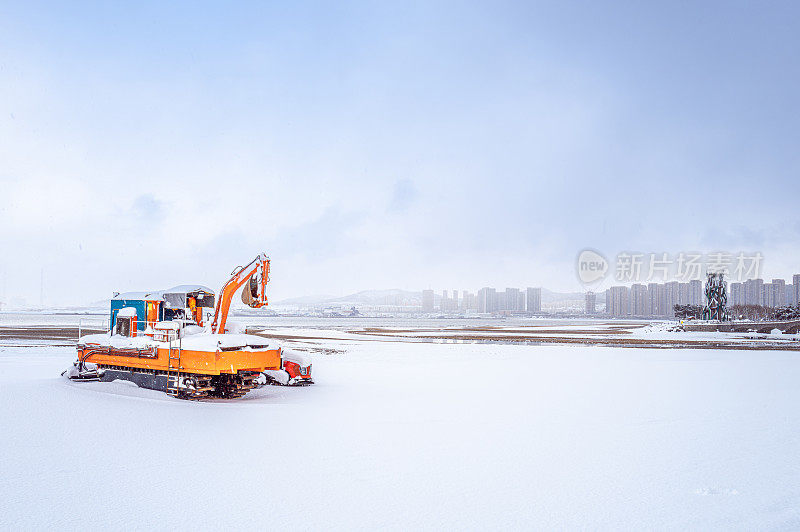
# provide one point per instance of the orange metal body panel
(204, 362)
(152, 311)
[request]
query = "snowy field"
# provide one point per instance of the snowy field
(415, 435)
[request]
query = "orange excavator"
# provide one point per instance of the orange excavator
(256, 276)
(160, 340)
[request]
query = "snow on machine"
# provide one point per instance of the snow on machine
(295, 370)
(168, 340)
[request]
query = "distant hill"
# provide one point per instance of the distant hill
(303, 301)
(397, 297)
(554, 297)
(365, 297)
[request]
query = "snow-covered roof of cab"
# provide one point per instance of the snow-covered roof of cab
(176, 296)
(188, 288)
(156, 295)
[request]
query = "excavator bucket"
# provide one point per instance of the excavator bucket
(82, 372)
(250, 292)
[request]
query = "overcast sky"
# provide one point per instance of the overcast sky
(414, 145)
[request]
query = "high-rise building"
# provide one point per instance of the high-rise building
(778, 293)
(468, 301)
(486, 300)
(500, 302)
(427, 301)
(766, 295)
(655, 292)
(512, 299)
(591, 301)
(619, 300)
(753, 292)
(790, 300)
(696, 292)
(737, 294)
(533, 299)
(796, 287)
(683, 294)
(638, 301)
(671, 298)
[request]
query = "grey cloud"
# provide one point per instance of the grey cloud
(326, 237)
(404, 195)
(734, 237)
(147, 208)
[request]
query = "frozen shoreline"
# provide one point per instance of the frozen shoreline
(316, 335)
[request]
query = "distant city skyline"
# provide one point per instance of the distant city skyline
(635, 300)
(659, 299)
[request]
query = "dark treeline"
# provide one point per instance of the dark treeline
(743, 312)
(684, 312)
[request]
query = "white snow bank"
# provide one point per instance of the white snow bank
(210, 342)
(234, 327)
(118, 341)
(297, 357)
(156, 295)
(416, 436)
(197, 340)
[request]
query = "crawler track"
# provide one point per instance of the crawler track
(233, 386)
(192, 386)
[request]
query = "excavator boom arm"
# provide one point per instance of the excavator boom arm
(239, 277)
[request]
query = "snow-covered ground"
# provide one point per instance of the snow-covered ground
(671, 331)
(415, 435)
